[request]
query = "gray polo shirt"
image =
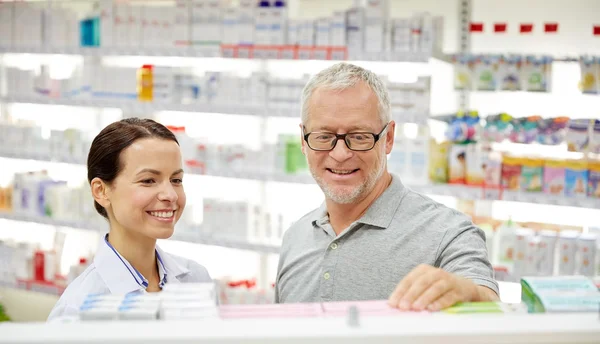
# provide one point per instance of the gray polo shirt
(400, 230)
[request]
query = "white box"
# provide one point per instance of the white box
(246, 22)
(355, 21)
(106, 23)
(182, 23)
(306, 34)
(293, 32)
(262, 26)
(213, 23)
(322, 32)
(375, 19)
(6, 24)
(230, 26)
(56, 28)
(401, 35)
(279, 22)
(134, 26)
(338, 30)
(121, 24)
(427, 33)
(165, 22)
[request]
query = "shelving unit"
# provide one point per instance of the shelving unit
(134, 106)
(207, 52)
(410, 328)
(193, 235)
(452, 190)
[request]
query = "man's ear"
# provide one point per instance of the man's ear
(100, 191)
(389, 137)
(302, 142)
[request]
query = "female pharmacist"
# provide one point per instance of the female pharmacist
(135, 173)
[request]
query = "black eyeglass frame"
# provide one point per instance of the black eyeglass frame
(338, 137)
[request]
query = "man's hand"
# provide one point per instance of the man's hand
(433, 289)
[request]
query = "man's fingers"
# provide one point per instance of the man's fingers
(422, 283)
(447, 300)
(433, 293)
(404, 285)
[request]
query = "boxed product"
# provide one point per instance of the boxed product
(594, 179)
(532, 173)
(560, 294)
(438, 165)
(577, 137)
(475, 164)
(486, 68)
(595, 139)
(590, 74)
(509, 70)
(586, 254)
(537, 73)
(511, 172)
(576, 178)
(492, 169)
(554, 177)
(458, 164)
(463, 72)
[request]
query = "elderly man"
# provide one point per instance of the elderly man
(373, 238)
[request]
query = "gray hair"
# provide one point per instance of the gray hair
(341, 76)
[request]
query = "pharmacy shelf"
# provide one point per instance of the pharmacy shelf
(194, 235)
(34, 286)
(137, 107)
(418, 328)
(208, 52)
(458, 191)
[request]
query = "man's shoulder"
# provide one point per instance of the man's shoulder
(299, 226)
(429, 214)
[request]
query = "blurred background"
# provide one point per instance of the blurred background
(497, 105)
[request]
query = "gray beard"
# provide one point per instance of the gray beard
(357, 192)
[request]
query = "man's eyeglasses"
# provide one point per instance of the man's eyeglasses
(359, 141)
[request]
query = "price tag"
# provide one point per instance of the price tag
(491, 194)
(288, 53)
(228, 52)
(338, 54)
(271, 54)
(244, 52)
(260, 53)
(320, 54)
(304, 54)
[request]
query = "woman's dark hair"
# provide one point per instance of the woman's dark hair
(104, 157)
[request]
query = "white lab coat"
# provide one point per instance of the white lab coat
(110, 273)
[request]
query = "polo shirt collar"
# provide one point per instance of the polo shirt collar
(382, 211)
(379, 214)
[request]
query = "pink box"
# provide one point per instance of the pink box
(554, 178)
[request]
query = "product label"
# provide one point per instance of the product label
(531, 177)
(576, 182)
(554, 180)
(511, 174)
(594, 181)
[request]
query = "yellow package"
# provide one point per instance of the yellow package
(438, 161)
(532, 173)
(590, 75)
(511, 172)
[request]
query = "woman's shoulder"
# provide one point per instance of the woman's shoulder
(88, 282)
(186, 270)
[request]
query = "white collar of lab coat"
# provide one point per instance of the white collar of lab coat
(121, 277)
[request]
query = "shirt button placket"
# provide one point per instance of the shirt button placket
(327, 276)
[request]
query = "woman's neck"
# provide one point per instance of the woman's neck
(140, 251)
